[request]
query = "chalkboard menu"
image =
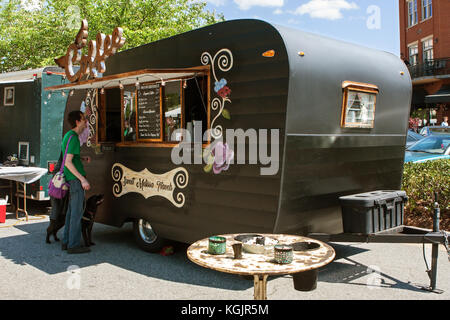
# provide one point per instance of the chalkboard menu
(148, 113)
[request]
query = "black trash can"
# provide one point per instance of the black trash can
(372, 212)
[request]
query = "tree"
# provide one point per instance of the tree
(34, 32)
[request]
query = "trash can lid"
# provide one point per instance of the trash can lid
(372, 198)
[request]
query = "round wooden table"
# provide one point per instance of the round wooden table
(260, 266)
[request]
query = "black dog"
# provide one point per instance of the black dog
(57, 216)
(86, 223)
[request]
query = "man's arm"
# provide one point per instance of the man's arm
(84, 183)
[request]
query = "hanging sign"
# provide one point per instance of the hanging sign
(94, 62)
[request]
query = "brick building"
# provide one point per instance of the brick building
(425, 46)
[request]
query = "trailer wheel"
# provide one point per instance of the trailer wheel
(146, 237)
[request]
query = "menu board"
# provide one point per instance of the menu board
(148, 113)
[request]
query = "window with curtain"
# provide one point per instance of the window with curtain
(427, 9)
(412, 12)
(413, 54)
(358, 110)
(427, 46)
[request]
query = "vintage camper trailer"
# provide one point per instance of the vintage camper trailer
(340, 111)
(30, 121)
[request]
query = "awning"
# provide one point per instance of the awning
(442, 96)
(130, 78)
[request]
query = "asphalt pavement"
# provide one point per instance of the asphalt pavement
(117, 269)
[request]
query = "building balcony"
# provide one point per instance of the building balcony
(430, 71)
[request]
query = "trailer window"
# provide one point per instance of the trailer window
(109, 118)
(195, 108)
(358, 109)
(152, 113)
(129, 114)
(172, 111)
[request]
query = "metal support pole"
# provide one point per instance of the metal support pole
(435, 246)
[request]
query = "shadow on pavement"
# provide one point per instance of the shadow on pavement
(114, 246)
(339, 272)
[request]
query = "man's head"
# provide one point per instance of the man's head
(76, 119)
(445, 118)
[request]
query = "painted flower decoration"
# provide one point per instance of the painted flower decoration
(224, 92)
(220, 84)
(220, 158)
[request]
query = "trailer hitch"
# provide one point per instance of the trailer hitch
(403, 234)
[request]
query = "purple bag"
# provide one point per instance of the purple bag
(58, 187)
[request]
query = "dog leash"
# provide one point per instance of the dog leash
(84, 206)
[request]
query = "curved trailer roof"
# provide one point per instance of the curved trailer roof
(327, 63)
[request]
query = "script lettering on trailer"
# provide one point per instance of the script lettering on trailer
(94, 62)
(149, 184)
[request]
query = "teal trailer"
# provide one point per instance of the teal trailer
(30, 121)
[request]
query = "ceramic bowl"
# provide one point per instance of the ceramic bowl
(249, 244)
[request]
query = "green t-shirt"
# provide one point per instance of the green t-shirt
(73, 148)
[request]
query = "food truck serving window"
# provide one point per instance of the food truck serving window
(147, 107)
(359, 102)
(150, 113)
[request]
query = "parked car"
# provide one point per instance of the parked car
(426, 131)
(412, 138)
(432, 147)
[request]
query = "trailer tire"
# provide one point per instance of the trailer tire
(146, 237)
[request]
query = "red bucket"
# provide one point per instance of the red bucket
(2, 211)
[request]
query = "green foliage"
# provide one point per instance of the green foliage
(32, 38)
(420, 180)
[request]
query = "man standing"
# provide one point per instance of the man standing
(445, 122)
(76, 177)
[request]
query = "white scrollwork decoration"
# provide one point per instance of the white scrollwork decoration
(224, 60)
(91, 103)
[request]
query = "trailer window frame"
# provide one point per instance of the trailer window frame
(351, 86)
(161, 143)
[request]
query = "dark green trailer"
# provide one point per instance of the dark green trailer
(32, 118)
(340, 111)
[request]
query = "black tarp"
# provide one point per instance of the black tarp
(442, 96)
(418, 96)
